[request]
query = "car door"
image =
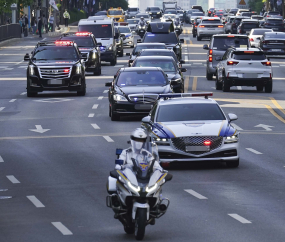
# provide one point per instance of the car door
(222, 65)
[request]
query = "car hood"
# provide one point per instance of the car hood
(145, 89)
(170, 130)
(172, 75)
(105, 41)
(85, 49)
(54, 63)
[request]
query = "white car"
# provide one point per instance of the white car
(244, 67)
(255, 35)
(166, 17)
(132, 23)
(129, 41)
(210, 26)
(189, 127)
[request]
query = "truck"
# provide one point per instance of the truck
(169, 5)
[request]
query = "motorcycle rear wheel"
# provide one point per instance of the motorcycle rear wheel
(140, 223)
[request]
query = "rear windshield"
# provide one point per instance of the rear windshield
(155, 9)
(250, 25)
(189, 112)
(82, 41)
(248, 55)
(197, 14)
(216, 21)
(55, 53)
(256, 17)
(274, 21)
(260, 31)
(165, 65)
(132, 9)
(170, 38)
(141, 47)
(141, 78)
(247, 14)
(132, 21)
(159, 53)
(115, 12)
(273, 13)
(275, 36)
(237, 21)
(223, 43)
(99, 30)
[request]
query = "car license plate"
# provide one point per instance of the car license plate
(55, 82)
(250, 75)
(197, 148)
(276, 50)
(143, 106)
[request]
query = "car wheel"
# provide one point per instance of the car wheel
(121, 53)
(199, 38)
(98, 71)
(268, 87)
(114, 116)
(114, 62)
(29, 92)
(233, 163)
(82, 92)
(219, 85)
(259, 88)
(209, 76)
(225, 85)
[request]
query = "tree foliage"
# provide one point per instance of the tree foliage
(256, 5)
(106, 4)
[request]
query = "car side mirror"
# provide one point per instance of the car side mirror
(219, 58)
(183, 69)
(205, 47)
(139, 41)
(182, 41)
(128, 54)
(232, 117)
(182, 61)
(146, 120)
(108, 84)
(99, 44)
(27, 57)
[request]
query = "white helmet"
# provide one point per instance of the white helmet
(142, 18)
(138, 139)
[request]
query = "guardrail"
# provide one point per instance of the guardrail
(10, 31)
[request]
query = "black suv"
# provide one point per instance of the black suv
(236, 23)
(154, 12)
(163, 32)
(89, 49)
(246, 25)
(55, 66)
(276, 24)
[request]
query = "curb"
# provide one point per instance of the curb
(9, 41)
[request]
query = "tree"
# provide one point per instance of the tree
(5, 6)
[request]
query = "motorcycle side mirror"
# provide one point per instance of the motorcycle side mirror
(27, 57)
(182, 41)
(146, 120)
(183, 69)
(205, 47)
(119, 162)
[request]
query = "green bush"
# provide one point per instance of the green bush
(76, 15)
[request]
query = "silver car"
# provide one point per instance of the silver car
(129, 40)
(210, 26)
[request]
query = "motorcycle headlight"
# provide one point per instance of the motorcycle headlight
(151, 189)
(232, 139)
(78, 69)
(32, 70)
(178, 26)
(133, 187)
(118, 97)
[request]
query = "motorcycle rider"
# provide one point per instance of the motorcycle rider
(177, 25)
(142, 22)
(177, 21)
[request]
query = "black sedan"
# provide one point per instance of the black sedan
(135, 90)
(273, 44)
(168, 65)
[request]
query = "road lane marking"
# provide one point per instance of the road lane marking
(36, 201)
(12, 100)
(276, 104)
(239, 88)
(8, 69)
(105, 91)
(186, 58)
(236, 126)
(23, 93)
(3, 67)
(95, 126)
(95, 106)
(270, 109)
(254, 151)
(62, 228)
(1, 159)
(100, 98)
(91, 115)
(13, 179)
(195, 194)
(239, 218)
(119, 66)
(2, 108)
(108, 138)
(186, 83)
(194, 85)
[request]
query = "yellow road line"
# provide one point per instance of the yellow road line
(186, 83)
(274, 113)
(191, 43)
(276, 104)
(194, 85)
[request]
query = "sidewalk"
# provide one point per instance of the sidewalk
(57, 32)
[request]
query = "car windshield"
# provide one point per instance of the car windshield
(141, 47)
(274, 21)
(165, 65)
(115, 12)
(159, 53)
(154, 9)
(81, 41)
(132, 21)
(132, 9)
(246, 14)
(189, 112)
(170, 38)
(250, 25)
(170, 11)
(124, 30)
(99, 30)
(141, 78)
(223, 43)
(197, 14)
(248, 55)
(260, 31)
(56, 53)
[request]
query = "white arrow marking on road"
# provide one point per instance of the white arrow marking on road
(1, 159)
(39, 129)
(36, 201)
(105, 91)
(266, 127)
(1, 109)
(95, 126)
(195, 194)
(239, 218)
(62, 228)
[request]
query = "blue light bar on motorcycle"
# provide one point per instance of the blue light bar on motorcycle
(176, 95)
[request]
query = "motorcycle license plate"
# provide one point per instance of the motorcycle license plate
(55, 82)
(141, 30)
(197, 148)
(143, 107)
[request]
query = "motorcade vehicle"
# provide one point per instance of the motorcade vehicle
(101, 13)
(119, 42)
(127, 33)
(168, 17)
(198, 7)
(178, 26)
(273, 44)
(168, 65)
(141, 29)
(236, 22)
(196, 14)
(188, 15)
(89, 49)
(103, 30)
(133, 23)
(210, 11)
(170, 11)
(164, 33)
(154, 12)
(228, 24)
(209, 26)
(117, 14)
(187, 127)
(258, 17)
(244, 67)
(135, 192)
(134, 90)
(196, 22)
(146, 16)
(217, 48)
(255, 35)
(132, 12)
(141, 46)
(276, 24)
(246, 25)
(241, 10)
(55, 66)
(233, 11)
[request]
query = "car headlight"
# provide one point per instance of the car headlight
(232, 139)
(158, 13)
(178, 26)
(110, 47)
(118, 97)
(151, 189)
(78, 69)
(32, 70)
(94, 55)
(133, 188)
(160, 140)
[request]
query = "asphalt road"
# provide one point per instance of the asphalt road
(56, 180)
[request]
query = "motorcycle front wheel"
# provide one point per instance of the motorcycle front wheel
(140, 223)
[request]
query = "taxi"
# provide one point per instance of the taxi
(117, 14)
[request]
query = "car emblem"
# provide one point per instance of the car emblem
(54, 71)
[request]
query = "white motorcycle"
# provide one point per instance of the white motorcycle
(135, 194)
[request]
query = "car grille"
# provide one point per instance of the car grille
(54, 72)
(181, 143)
(146, 98)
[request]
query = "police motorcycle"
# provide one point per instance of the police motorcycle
(178, 26)
(135, 186)
(141, 28)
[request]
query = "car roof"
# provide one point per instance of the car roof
(248, 49)
(160, 27)
(94, 21)
(249, 20)
(132, 69)
(185, 100)
(215, 18)
(160, 50)
(157, 57)
(144, 44)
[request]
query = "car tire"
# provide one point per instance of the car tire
(225, 85)
(268, 87)
(199, 38)
(259, 88)
(83, 91)
(209, 76)
(29, 92)
(114, 61)
(219, 85)
(114, 116)
(121, 53)
(98, 71)
(233, 164)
